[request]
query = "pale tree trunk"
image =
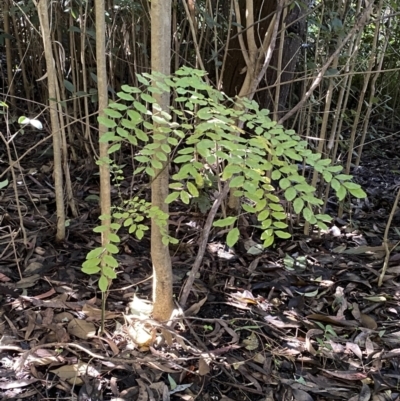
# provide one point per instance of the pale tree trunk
(104, 169)
(42, 6)
(161, 259)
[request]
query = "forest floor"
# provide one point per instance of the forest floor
(304, 320)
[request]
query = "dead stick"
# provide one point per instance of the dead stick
(203, 244)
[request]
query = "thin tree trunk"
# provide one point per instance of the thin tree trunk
(161, 259)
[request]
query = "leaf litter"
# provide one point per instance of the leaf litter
(305, 320)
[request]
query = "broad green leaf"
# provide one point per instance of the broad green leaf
(109, 272)
(281, 225)
(103, 283)
(324, 217)
(341, 193)
(106, 122)
(110, 261)
(113, 237)
(171, 197)
(279, 215)
(266, 224)
(142, 135)
(125, 96)
(276, 175)
(321, 225)
(343, 177)
(114, 148)
(358, 193)
(248, 208)
(335, 184)
(290, 194)
(236, 182)
(91, 269)
(185, 197)
(100, 229)
(112, 248)
(183, 158)
(230, 170)
(156, 164)
(298, 205)
(276, 207)
(351, 185)
(139, 234)
(263, 215)
(308, 214)
(147, 98)
(327, 176)
(282, 234)
(91, 263)
(269, 241)
(192, 189)
(150, 171)
(140, 107)
(225, 222)
(232, 237)
(112, 113)
(94, 253)
(284, 183)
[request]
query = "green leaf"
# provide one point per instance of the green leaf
(276, 175)
(114, 148)
(335, 184)
(113, 237)
(106, 122)
(236, 182)
(140, 107)
(290, 194)
(321, 225)
(358, 193)
(225, 222)
(279, 215)
(147, 98)
(269, 241)
(284, 183)
(308, 214)
(91, 263)
(142, 135)
(183, 158)
(192, 189)
(343, 177)
(139, 234)
(185, 197)
(232, 237)
(351, 185)
(280, 224)
(125, 96)
(112, 248)
(282, 234)
(103, 283)
(150, 172)
(91, 269)
(94, 253)
(298, 205)
(263, 215)
(341, 192)
(171, 197)
(230, 170)
(112, 113)
(324, 217)
(276, 207)
(109, 272)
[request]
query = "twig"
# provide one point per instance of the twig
(203, 244)
(386, 240)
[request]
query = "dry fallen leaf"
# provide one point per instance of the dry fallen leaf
(81, 329)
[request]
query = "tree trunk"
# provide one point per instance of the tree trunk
(161, 259)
